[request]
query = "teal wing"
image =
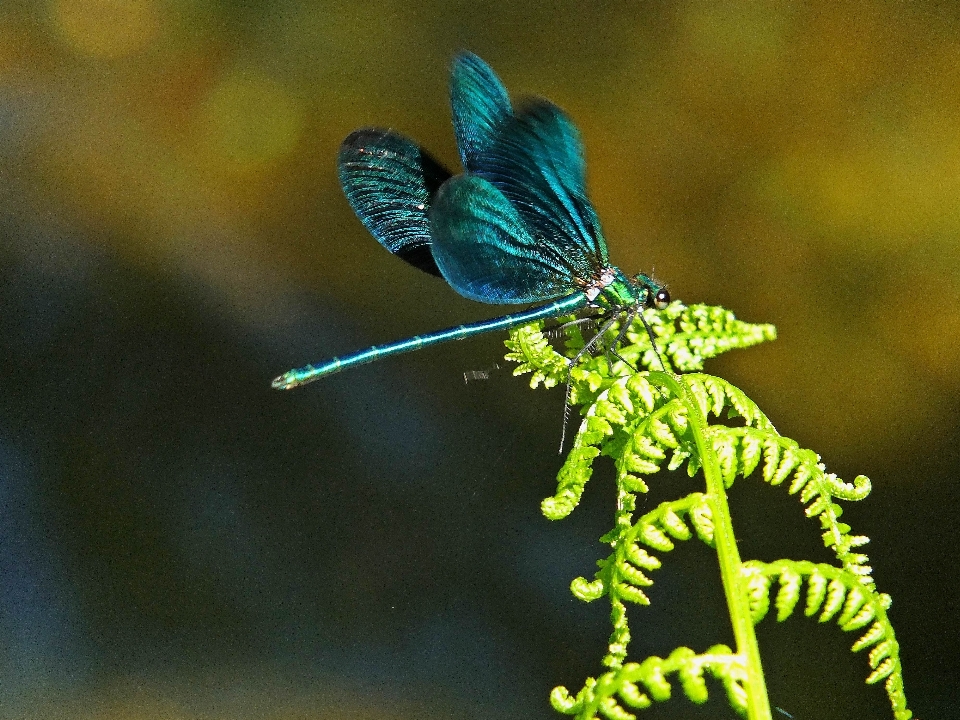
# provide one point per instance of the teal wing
(390, 182)
(536, 161)
(484, 249)
(480, 105)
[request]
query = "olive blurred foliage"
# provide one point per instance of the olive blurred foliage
(742, 148)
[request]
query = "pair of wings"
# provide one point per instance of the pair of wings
(516, 227)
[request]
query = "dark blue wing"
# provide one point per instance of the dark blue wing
(390, 183)
(485, 251)
(480, 104)
(536, 161)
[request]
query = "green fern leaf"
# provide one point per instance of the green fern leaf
(641, 558)
(702, 519)
(672, 523)
(816, 593)
(876, 633)
(751, 451)
(631, 593)
(588, 591)
(789, 593)
(758, 595)
(645, 421)
(886, 667)
(855, 600)
(655, 537)
(836, 592)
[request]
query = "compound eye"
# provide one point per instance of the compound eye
(661, 299)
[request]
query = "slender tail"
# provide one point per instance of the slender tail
(309, 373)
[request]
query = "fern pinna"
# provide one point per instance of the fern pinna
(646, 421)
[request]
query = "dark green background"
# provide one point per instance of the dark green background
(179, 541)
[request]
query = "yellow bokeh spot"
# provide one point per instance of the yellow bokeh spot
(106, 28)
(252, 120)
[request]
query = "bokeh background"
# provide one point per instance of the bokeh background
(177, 540)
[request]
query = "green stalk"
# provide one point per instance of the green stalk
(758, 704)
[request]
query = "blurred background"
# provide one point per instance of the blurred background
(177, 540)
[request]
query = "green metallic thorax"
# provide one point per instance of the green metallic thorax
(623, 291)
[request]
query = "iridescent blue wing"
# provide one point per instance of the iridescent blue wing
(536, 161)
(484, 249)
(480, 104)
(390, 183)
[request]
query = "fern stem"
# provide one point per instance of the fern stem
(758, 704)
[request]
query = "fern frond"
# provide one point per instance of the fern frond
(622, 575)
(628, 401)
(686, 337)
(642, 428)
(832, 590)
(639, 685)
(740, 451)
(534, 354)
(648, 421)
(657, 530)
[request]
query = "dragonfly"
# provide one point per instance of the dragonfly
(516, 227)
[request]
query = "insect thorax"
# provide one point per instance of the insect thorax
(613, 289)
